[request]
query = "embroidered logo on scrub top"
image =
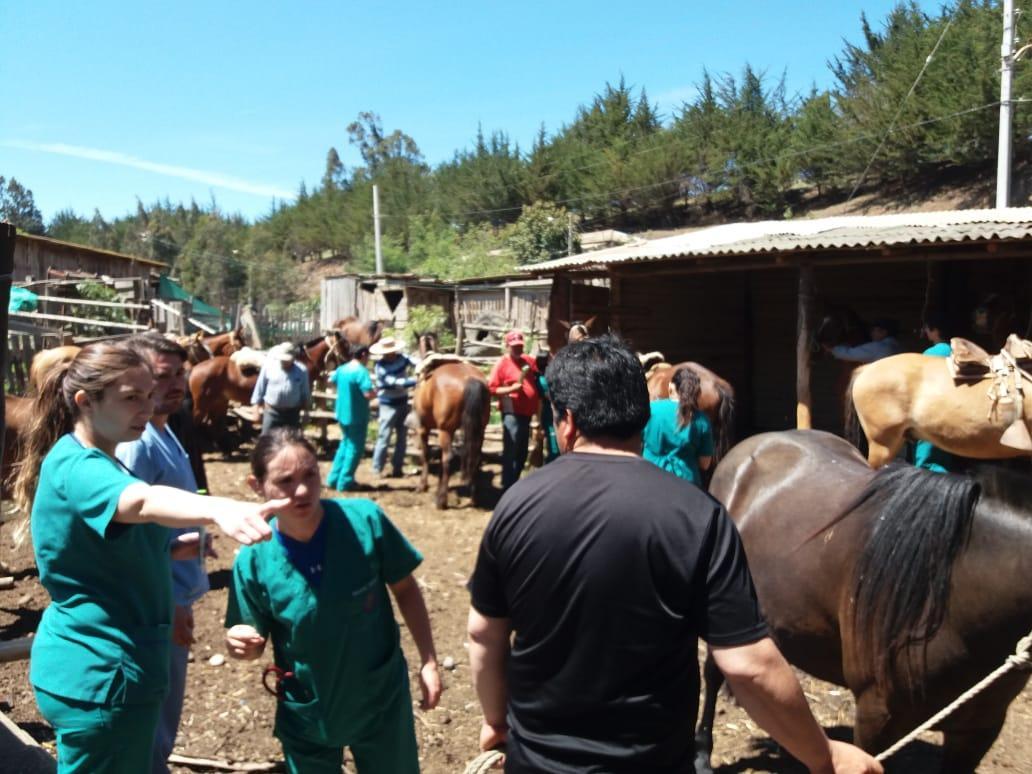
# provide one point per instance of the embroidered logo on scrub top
(369, 589)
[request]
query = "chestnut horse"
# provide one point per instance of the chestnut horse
(451, 395)
(716, 400)
(916, 395)
(200, 347)
(358, 333)
(905, 586)
(213, 384)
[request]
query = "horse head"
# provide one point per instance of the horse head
(427, 343)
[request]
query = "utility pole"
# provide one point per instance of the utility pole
(1007, 58)
(376, 227)
(569, 233)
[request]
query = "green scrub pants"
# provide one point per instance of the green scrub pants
(349, 454)
(100, 738)
(389, 749)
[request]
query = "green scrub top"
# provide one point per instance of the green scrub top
(676, 449)
(105, 636)
(926, 455)
(352, 380)
(341, 640)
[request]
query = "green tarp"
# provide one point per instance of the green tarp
(168, 290)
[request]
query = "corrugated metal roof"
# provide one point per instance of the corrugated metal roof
(843, 232)
(96, 250)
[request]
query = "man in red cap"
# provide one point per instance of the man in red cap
(512, 381)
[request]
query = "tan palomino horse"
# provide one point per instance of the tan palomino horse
(716, 398)
(451, 395)
(916, 394)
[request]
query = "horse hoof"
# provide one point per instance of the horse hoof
(442, 503)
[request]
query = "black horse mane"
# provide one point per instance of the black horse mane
(901, 584)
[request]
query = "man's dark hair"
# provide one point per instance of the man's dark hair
(152, 341)
(359, 351)
(601, 383)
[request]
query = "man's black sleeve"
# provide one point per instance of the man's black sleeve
(731, 611)
(487, 591)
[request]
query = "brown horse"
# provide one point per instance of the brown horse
(716, 400)
(451, 395)
(213, 384)
(200, 347)
(358, 333)
(916, 395)
(46, 359)
(323, 354)
(905, 586)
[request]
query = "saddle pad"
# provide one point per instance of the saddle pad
(435, 359)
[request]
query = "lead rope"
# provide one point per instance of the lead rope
(484, 762)
(1019, 659)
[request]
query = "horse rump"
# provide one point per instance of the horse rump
(852, 430)
(476, 401)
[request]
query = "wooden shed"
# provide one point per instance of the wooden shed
(35, 257)
(386, 297)
(743, 298)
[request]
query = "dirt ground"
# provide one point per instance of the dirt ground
(228, 715)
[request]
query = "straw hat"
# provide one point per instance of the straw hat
(385, 346)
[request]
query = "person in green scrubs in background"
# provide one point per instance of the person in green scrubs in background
(926, 455)
(678, 436)
(354, 391)
(99, 665)
(319, 590)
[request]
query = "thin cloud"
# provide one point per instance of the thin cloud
(169, 170)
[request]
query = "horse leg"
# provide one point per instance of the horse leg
(882, 452)
(962, 750)
(713, 679)
(442, 485)
(424, 447)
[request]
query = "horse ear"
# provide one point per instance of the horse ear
(564, 323)
(590, 321)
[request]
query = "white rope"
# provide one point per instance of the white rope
(485, 762)
(1019, 659)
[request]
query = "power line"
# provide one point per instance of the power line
(902, 104)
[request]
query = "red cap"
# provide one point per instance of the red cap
(513, 337)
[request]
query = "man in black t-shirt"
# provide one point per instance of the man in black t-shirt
(607, 570)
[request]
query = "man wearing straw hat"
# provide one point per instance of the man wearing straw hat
(393, 384)
(282, 391)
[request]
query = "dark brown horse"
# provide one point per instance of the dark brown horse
(716, 400)
(451, 395)
(905, 586)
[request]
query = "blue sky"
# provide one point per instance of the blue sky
(108, 101)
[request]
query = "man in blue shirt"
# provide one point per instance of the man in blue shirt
(392, 394)
(883, 343)
(354, 391)
(159, 458)
(282, 391)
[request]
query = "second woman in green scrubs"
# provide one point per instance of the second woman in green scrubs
(319, 590)
(678, 436)
(99, 664)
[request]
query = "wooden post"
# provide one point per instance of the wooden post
(804, 328)
(8, 237)
(460, 332)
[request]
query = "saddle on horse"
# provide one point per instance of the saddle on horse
(432, 361)
(970, 363)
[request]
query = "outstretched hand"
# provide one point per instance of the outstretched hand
(244, 642)
(246, 522)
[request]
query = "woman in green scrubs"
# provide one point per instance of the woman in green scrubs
(678, 436)
(319, 590)
(99, 664)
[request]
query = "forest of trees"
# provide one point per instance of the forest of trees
(742, 148)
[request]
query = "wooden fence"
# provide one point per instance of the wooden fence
(23, 342)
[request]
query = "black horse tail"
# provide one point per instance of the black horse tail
(901, 584)
(475, 402)
(852, 429)
(726, 424)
